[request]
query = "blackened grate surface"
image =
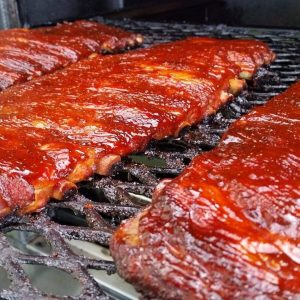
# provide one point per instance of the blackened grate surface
(92, 213)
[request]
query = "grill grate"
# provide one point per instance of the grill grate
(101, 203)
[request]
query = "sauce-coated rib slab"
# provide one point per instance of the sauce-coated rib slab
(229, 226)
(29, 53)
(63, 127)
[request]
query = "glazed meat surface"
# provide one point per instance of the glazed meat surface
(229, 226)
(63, 127)
(29, 53)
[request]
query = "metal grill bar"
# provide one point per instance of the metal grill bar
(92, 213)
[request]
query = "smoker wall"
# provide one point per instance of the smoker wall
(38, 12)
(267, 13)
(263, 13)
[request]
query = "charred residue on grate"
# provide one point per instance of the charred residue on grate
(92, 213)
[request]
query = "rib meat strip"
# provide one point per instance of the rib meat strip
(63, 127)
(29, 53)
(229, 226)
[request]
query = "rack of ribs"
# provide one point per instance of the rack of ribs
(29, 53)
(228, 227)
(61, 128)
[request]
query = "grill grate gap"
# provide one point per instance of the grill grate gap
(101, 203)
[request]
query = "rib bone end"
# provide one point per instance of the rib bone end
(106, 162)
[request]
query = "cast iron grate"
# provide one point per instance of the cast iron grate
(101, 203)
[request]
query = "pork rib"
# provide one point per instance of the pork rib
(60, 128)
(29, 53)
(229, 226)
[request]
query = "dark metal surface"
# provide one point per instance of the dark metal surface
(92, 213)
(37, 12)
(270, 13)
(9, 14)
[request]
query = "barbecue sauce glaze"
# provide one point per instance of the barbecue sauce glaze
(29, 53)
(229, 226)
(60, 128)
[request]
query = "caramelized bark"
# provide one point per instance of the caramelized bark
(28, 53)
(61, 128)
(229, 226)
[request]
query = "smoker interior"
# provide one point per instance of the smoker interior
(66, 243)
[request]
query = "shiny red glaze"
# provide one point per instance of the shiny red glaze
(29, 53)
(111, 106)
(229, 226)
